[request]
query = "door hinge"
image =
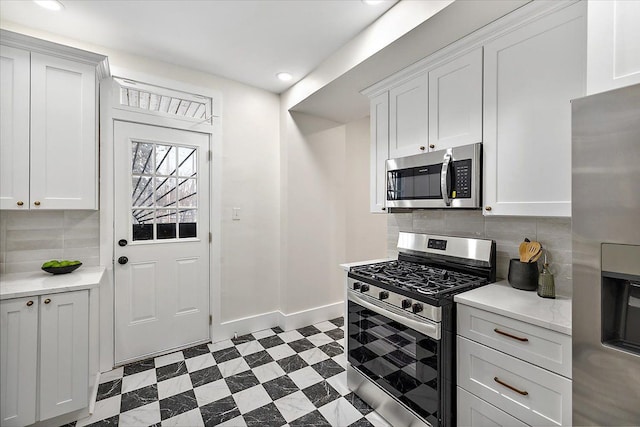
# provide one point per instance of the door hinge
(210, 319)
(210, 237)
(209, 155)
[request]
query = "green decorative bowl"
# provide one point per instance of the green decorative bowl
(61, 270)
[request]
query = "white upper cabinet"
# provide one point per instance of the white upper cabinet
(530, 76)
(49, 125)
(613, 44)
(455, 102)
(379, 151)
(63, 134)
(14, 128)
(408, 118)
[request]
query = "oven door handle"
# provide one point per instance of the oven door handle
(423, 326)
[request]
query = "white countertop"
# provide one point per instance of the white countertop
(18, 285)
(527, 306)
(347, 266)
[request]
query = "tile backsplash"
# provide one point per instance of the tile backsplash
(553, 233)
(29, 238)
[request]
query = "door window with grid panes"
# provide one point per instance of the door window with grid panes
(164, 192)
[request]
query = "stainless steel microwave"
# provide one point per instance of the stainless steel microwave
(450, 178)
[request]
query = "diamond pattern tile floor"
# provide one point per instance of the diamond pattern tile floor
(269, 378)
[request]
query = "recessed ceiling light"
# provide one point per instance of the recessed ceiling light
(372, 2)
(49, 4)
(285, 77)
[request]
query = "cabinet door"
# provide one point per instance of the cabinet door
(379, 151)
(64, 353)
(455, 102)
(14, 128)
(408, 118)
(63, 134)
(613, 50)
(18, 361)
(531, 75)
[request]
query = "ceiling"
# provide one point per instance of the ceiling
(247, 41)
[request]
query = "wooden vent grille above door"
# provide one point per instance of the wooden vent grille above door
(166, 102)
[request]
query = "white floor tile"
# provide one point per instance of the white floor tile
(232, 367)
(211, 392)
(104, 409)
(339, 382)
(173, 386)
(146, 415)
(235, 422)
(263, 334)
(320, 339)
(200, 362)
(168, 359)
(115, 374)
(305, 377)
(192, 418)
(340, 413)
(341, 360)
(220, 345)
(249, 348)
(290, 336)
(251, 398)
(268, 371)
(281, 351)
(139, 380)
(313, 356)
(294, 406)
(325, 326)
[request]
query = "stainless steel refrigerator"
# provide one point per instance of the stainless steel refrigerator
(606, 258)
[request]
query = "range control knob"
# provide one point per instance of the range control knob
(417, 307)
(364, 288)
(383, 295)
(356, 286)
(406, 303)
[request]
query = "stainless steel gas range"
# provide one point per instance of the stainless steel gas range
(401, 326)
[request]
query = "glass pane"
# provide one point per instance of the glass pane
(141, 159)
(187, 158)
(142, 194)
(166, 224)
(142, 223)
(165, 192)
(188, 220)
(165, 159)
(187, 193)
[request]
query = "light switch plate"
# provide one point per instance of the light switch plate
(236, 214)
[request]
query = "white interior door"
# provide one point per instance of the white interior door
(161, 239)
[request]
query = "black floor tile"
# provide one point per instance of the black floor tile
(205, 376)
(312, 419)
(226, 354)
(321, 393)
(241, 381)
(292, 363)
(271, 341)
(257, 359)
(301, 345)
(267, 415)
(177, 404)
(280, 387)
(196, 351)
(140, 397)
(171, 371)
(328, 368)
(219, 411)
(109, 389)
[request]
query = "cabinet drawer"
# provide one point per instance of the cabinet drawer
(531, 394)
(475, 412)
(542, 347)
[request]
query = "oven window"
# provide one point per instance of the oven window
(400, 360)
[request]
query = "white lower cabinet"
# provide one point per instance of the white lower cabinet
(475, 412)
(50, 332)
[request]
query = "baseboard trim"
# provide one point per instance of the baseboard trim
(287, 322)
(311, 316)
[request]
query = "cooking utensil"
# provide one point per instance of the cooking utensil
(537, 256)
(533, 248)
(522, 250)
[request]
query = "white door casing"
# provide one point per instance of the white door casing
(162, 211)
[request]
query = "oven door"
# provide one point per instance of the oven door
(402, 355)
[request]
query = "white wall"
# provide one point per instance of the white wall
(250, 174)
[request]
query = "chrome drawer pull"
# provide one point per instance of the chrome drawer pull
(507, 334)
(522, 392)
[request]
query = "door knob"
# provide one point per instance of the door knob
(123, 260)
(122, 242)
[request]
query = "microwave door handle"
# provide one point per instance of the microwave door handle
(444, 178)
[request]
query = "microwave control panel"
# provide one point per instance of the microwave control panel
(462, 179)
